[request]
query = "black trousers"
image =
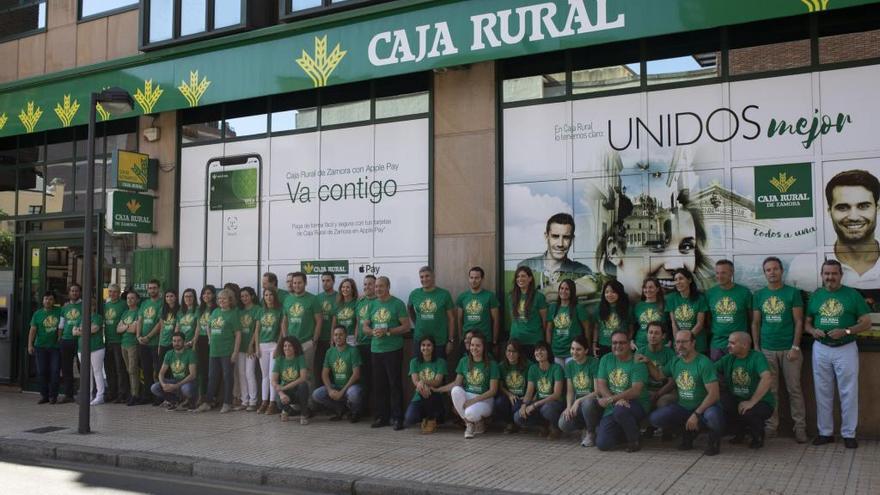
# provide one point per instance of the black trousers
(752, 421)
(149, 358)
(366, 375)
(202, 359)
(68, 354)
(388, 384)
(117, 375)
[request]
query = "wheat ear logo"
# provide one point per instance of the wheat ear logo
(782, 182)
(30, 117)
(3, 120)
(194, 90)
(66, 111)
(308, 268)
(322, 65)
(133, 206)
(149, 96)
(815, 5)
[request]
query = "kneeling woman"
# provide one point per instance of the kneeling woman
(542, 403)
(290, 380)
(582, 411)
(475, 384)
(512, 386)
(427, 373)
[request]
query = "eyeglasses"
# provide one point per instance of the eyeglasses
(619, 343)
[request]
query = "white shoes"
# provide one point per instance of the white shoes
(97, 401)
(588, 439)
(469, 430)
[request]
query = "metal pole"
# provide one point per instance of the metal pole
(85, 367)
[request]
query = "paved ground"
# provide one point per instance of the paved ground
(522, 462)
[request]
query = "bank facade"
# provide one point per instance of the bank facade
(376, 137)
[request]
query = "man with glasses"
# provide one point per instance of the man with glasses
(622, 384)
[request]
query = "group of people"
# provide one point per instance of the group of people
(606, 373)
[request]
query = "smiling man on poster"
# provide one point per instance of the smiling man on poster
(554, 265)
(852, 198)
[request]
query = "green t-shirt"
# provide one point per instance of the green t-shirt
(288, 369)
(730, 310)
(476, 311)
(839, 309)
(112, 313)
(341, 364)
(742, 375)
(363, 311)
(685, 313)
(150, 311)
(270, 324)
(386, 315)
(46, 323)
(644, 313)
(225, 323)
(513, 378)
(430, 308)
(169, 322)
(327, 303)
(72, 314)
(582, 376)
(249, 318)
(346, 315)
(130, 317)
(178, 362)
(96, 338)
(545, 380)
(659, 358)
(608, 326)
(477, 378)
(427, 372)
(525, 326)
(187, 323)
(566, 326)
(205, 320)
(691, 379)
(282, 295)
(300, 311)
(777, 319)
(620, 376)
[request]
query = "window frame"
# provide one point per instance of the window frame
(25, 34)
(286, 14)
(104, 13)
(144, 25)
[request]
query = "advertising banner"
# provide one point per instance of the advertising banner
(130, 213)
(132, 171)
(234, 189)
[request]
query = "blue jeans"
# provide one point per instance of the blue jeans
(353, 399)
(549, 412)
(673, 418)
(48, 367)
(716, 354)
(622, 424)
(430, 408)
(589, 413)
(503, 411)
(220, 368)
(298, 395)
(188, 390)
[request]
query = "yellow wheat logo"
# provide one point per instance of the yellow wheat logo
(110, 314)
(289, 375)
(340, 367)
(580, 381)
(267, 321)
(345, 314)
(73, 314)
(544, 386)
(50, 323)
(815, 5)
(102, 112)
(382, 316)
(67, 111)
(725, 306)
(831, 308)
(515, 380)
(133, 206)
(215, 323)
(684, 313)
(783, 182)
(296, 310)
(474, 307)
(148, 98)
(619, 380)
(321, 66)
(684, 381)
(613, 322)
(308, 268)
(30, 117)
(3, 119)
(740, 377)
(428, 306)
(178, 367)
(475, 377)
(427, 375)
(650, 315)
(562, 320)
(194, 90)
(246, 321)
(773, 306)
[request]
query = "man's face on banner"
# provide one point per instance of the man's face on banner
(559, 238)
(853, 214)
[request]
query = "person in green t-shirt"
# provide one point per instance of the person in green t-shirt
(433, 313)
(149, 326)
(188, 318)
(474, 386)
(730, 308)
(265, 341)
(43, 345)
(777, 327)
(477, 309)
(542, 405)
(207, 305)
(225, 342)
(566, 319)
(698, 395)
(651, 307)
(180, 388)
(326, 301)
(345, 310)
(245, 365)
(688, 309)
(612, 315)
(527, 311)
(127, 328)
(96, 353)
(71, 314)
(303, 319)
(340, 375)
(660, 392)
(747, 400)
(270, 281)
(168, 322)
(427, 373)
(582, 411)
(114, 363)
(290, 376)
(835, 315)
(514, 370)
(363, 341)
(621, 384)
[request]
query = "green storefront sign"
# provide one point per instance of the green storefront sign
(130, 213)
(233, 189)
(132, 171)
(150, 264)
(317, 267)
(784, 191)
(376, 41)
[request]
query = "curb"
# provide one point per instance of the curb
(194, 467)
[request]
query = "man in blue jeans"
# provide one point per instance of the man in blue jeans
(43, 345)
(340, 375)
(622, 384)
(698, 395)
(180, 388)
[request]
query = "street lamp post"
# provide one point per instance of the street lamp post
(114, 101)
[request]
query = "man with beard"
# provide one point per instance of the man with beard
(852, 198)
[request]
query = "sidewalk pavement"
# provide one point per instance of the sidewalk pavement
(345, 458)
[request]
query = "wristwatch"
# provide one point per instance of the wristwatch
(848, 331)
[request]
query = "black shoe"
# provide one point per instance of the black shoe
(397, 425)
(355, 417)
(737, 439)
(850, 443)
(757, 442)
(666, 436)
(43, 400)
(133, 401)
(336, 417)
(53, 400)
(714, 447)
(649, 432)
(822, 440)
(379, 423)
(687, 441)
(157, 402)
(66, 400)
(633, 447)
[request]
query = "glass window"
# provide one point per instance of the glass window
(161, 20)
(849, 47)
(7, 189)
(242, 118)
(534, 77)
(294, 111)
(226, 13)
(345, 103)
(596, 69)
(684, 57)
(396, 106)
(193, 15)
(297, 5)
(202, 124)
(60, 145)
(31, 189)
(59, 188)
(7, 243)
(21, 18)
(766, 46)
(94, 7)
(79, 199)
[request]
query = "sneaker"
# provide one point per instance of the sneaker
(172, 407)
(800, 436)
(649, 432)
(588, 439)
(284, 416)
(66, 400)
(225, 409)
(355, 417)
(687, 441)
(251, 408)
(633, 447)
(263, 406)
(303, 420)
(239, 407)
(132, 402)
(713, 448)
(469, 430)
(511, 428)
(53, 401)
(205, 407)
(164, 404)
(336, 417)
(757, 442)
(543, 431)
(97, 401)
(553, 433)
(380, 423)
(822, 440)
(850, 443)
(737, 439)
(429, 427)
(479, 427)
(272, 409)
(770, 432)
(397, 424)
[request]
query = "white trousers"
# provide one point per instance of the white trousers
(266, 365)
(840, 363)
(97, 358)
(473, 413)
(247, 378)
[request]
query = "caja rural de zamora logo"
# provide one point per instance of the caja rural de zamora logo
(831, 308)
(783, 182)
(321, 65)
(133, 206)
(619, 379)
